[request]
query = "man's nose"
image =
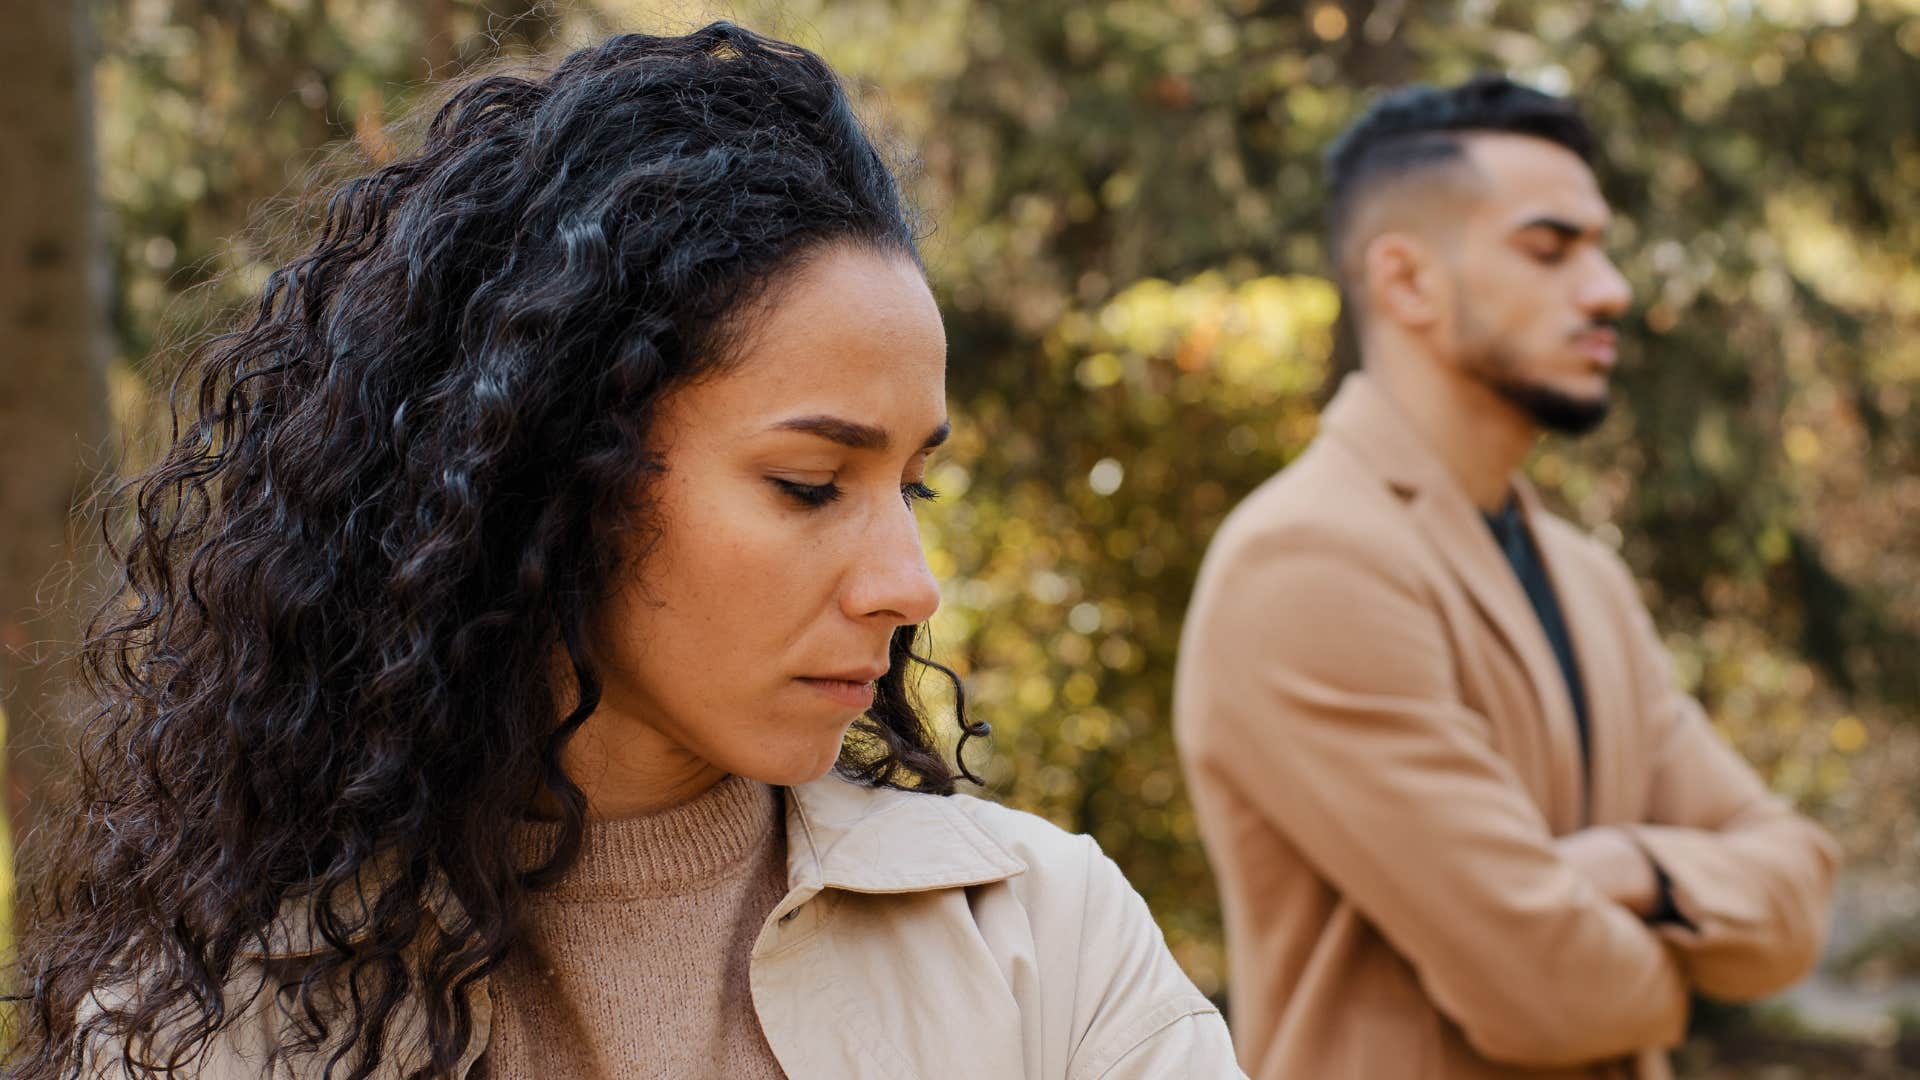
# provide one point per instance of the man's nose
(1606, 293)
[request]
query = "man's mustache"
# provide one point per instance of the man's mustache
(1599, 322)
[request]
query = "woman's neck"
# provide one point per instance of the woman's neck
(629, 770)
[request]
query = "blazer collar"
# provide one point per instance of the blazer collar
(842, 835)
(1368, 423)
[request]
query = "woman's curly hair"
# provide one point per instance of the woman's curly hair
(328, 687)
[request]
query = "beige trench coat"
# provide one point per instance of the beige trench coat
(1381, 750)
(933, 938)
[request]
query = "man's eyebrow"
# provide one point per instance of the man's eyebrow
(1561, 227)
(853, 433)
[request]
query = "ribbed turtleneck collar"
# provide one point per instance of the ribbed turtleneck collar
(673, 852)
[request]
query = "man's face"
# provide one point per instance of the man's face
(1535, 295)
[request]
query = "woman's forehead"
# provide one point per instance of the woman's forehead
(855, 337)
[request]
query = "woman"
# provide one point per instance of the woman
(514, 674)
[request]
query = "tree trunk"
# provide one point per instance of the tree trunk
(53, 401)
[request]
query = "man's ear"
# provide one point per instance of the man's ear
(1404, 280)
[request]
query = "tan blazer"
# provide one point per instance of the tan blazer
(1381, 749)
(921, 938)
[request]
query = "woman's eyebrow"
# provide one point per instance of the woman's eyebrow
(853, 433)
(850, 433)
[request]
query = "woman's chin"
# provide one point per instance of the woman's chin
(803, 766)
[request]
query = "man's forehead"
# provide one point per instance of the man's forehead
(1525, 178)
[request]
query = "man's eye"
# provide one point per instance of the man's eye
(809, 495)
(917, 491)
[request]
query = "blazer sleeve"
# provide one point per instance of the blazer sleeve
(1138, 1016)
(1319, 682)
(1751, 879)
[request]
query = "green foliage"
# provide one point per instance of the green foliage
(213, 113)
(1078, 536)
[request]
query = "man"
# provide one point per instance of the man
(1464, 824)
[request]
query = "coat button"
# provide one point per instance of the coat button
(789, 916)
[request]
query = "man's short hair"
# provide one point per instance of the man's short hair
(1417, 127)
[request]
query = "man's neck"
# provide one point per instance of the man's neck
(1480, 437)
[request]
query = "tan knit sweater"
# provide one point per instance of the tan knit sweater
(635, 962)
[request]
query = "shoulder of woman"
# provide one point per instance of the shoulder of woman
(873, 837)
(1065, 873)
(1029, 836)
(1070, 890)
(878, 840)
(1135, 1012)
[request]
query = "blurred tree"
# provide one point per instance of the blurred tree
(218, 113)
(53, 355)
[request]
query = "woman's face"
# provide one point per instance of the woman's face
(749, 635)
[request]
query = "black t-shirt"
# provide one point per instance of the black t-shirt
(1510, 531)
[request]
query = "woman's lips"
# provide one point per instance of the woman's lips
(848, 692)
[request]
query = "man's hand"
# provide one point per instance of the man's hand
(1615, 865)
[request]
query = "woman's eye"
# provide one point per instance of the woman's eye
(817, 495)
(809, 495)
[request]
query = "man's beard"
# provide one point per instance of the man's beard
(1563, 414)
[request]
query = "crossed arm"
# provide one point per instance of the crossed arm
(1750, 879)
(1343, 725)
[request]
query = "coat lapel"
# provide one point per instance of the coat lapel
(1370, 424)
(1591, 606)
(825, 986)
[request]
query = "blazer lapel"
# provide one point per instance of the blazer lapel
(1367, 421)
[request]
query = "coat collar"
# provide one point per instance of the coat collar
(1362, 418)
(842, 835)
(1369, 424)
